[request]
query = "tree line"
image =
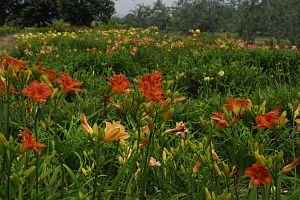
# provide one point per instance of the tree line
(271, 18)
(43, 12)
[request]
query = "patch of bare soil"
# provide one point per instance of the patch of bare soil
(7, 41)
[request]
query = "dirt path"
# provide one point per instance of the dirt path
(7, 41)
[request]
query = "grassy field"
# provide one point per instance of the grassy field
(139, 114)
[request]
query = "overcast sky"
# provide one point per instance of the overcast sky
(124, 6)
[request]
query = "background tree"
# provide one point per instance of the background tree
(4, 5)
(83, 12)
(31, 12)
(139, 17)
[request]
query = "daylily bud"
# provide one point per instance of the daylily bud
(44, 79)
(113, 104)
(137, 173)
(168, 114)
(207, 194)
(226, 171)
(192, 146)
(279, 156)
(143, 143)
(196, 167)
(3, 139)
(283, 119)
(260, 159)
(214, 155)
(263, 107)
(86, 127)
(55, 90)
(164, 155)
(217, 169)
(11, 72)
(165, 105)
(29, 171)
(291, 165)
(96, 130)
(150, 124)
(179, 99)
(83, 171)
(182, 169)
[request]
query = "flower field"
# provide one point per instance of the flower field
(140, 114)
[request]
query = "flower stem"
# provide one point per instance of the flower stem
(96, 157)
(37, 155)
(235, 188)
(111, 164)
(145, 167)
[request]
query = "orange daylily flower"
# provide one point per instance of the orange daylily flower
(267, 120)
(180, 129)
(133, 51)
(29, 143)
(221, 121)
(68, 83)
(258, 174)
(114, 131)
(10, 61)
(153, 163)
(120, 84)
(37, 91)
(237, 104)
(150, 85)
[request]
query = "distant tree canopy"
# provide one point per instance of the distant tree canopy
(275, 18)
(42, 12)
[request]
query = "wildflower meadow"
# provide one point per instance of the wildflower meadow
(131, 114)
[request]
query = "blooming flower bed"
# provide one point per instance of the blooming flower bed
(138, 114)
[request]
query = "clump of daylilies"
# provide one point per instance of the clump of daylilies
(42, 85)
(235, 109)
(150, 107)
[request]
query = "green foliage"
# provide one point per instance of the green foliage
(79, 165)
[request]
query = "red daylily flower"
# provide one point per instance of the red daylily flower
(237, 104)
(150, 85)
(68, 83)
(258, 174)
(37, 91)
(50, 74)
(2, 87)
(120, 84)
(11, 89)
(221, 121)
(29, 143)
(267, 120)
